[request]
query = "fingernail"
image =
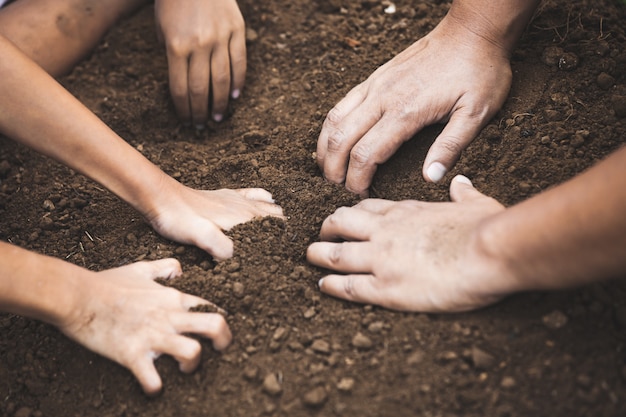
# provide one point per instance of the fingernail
(463, 179)
(218, 117)
(436, 171)
(320, 282)
(235, 93)
(200, 127)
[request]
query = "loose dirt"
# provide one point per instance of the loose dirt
(296, 351)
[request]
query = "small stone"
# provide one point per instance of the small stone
(551, 55)
(316, 397)
(605, 81)
(361, 341)
(280, 333)
(48, 205)
(555, 320)
(271, 385)
(251, 35)
(481, 359)
(251, 372)
(508, 382)
(232, 267)
(238, 290)
(415, 358)
(619, 105)
(309, 313)
(376, 326)
(345, 384)
(568, 61)
(577, 141)
(23, 412)
(321, 346)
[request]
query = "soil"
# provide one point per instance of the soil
(297, 352)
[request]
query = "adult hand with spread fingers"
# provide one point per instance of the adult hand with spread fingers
(459, 74)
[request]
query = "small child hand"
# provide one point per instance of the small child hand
(198, 217)
(206, 54)
(127, 317)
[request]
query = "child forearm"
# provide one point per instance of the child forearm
(37, 286)
(38, 112)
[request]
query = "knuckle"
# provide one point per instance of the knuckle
(349, 287)
(360, 154)
(336, 139)
(334, 116)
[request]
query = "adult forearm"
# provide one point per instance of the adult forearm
(500, 23)
(570, 235)
(38, 112)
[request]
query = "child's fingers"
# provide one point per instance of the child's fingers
(185, 350)
(199, 75)
(238, 62)
(211, 239)
(145, 372)
(258, 194)
(209, 325)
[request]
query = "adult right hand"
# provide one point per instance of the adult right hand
(451, 75)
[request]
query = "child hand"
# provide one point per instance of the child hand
(206, 54)
(198, 217)
(127, 317)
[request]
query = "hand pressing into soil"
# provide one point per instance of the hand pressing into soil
(125, 316)
(198, 217)
(206, 54)
(410, 255)
(458, 74)
(119, 313)
(471, 252)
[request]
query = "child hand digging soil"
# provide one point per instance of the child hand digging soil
(204, 41)
(120, 313)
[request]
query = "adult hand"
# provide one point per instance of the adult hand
(198, 217)
(411, 255)
(127, 317)
(451, 75)
(206, 53)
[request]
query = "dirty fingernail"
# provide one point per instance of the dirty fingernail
(436, 171)
(218, 117)
(200, 127)
(235, 94)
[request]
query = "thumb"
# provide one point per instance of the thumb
(462, 189)
(447, 147)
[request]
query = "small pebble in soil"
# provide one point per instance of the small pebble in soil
(568, 61)
(271, 385)
(321, 346)
(316, 397)
(508, 382)
(251, 372)
(280, 333)
(555, 320)
(345, 384)
(361, 341)
(619, 105)
(481, 359)
(605, 81)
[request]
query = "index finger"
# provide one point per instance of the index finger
(339, 133)
(178, 64)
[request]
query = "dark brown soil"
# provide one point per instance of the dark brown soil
(556, 354)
